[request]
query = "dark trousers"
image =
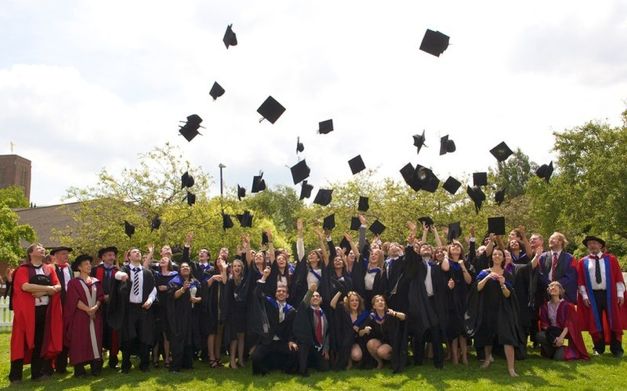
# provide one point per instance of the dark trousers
(110, 340)
(600, 297)
(135, 346)
(182, 357)
(557, 354)
(37, 362)
(95, 367)
(60, 362)
(433, 335)
(275, 355)
(310, 356)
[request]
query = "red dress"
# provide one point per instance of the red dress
(23, 331)
(83, 335)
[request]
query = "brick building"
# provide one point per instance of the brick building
(15, 171)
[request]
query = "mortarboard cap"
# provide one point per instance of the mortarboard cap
(230, 39)
(191, 198)
(427, 179)
(155, 223)
(305, 190)
(356, 164)
(426, 220)
(480, 179)
(245, 219)
(496, 225)
(363, 204)
(377, 228)
(271, 110)
(446, 145)
(299, 146)
(241, 192)
(323, 197)
(226, 221)
(325, 127)
(419, 141)
(451, 185)
(499, 196)
(80, 259)
(476, 195)
(329, 222)
(409, 175)
(545, 171)
(355, 223)
(300, 172)
(264, 237)
(259, 184)
(216, 91)
(104, 250)
(345, 246)
(501, 152)
(434, 42)
(187, 180)
(190, 129)
(64, 248)
(454, 231)
(129, 229)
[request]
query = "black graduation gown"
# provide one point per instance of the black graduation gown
(214, 302)
(160, 306)
(456, 300)
(343, 336)
(397, 283)
(393, 332)
(360, 269)
(236, 307)
(272, 281)
(265, 318)
(523, 286)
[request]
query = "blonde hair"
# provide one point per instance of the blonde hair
(346, 302)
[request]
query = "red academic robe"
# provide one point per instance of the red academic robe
(84, 343)
(23, 332)
(567, 317)
(587, 316)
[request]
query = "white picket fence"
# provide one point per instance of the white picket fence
(6, 315)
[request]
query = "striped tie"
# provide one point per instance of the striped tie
(136, 281)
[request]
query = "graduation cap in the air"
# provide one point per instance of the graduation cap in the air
(264, 237)
(271, 110)
(305, 190)
(226, 221)
(476, 195)
(499, 196)
(300, 147)
(129, 228)
(345, 246)
(446, 145)
(419, 141)
(480, 179)
(300, 172)
(451, 185)
(426, 220)
(245, 219)
(454, 231)
(411, 178)
(325, 127)
(377, 227)
(230, 39)
(323, 197)
(241, 192)
(259, 184)
(155, 223)
(427, 179)
(355, 223)
(496, 225)
(545, 171)
(216, 91)
(329, 222)
(501, 152)
(356, 164)
(191, 198)
(187, 180)
(190, 129)
(363, 204)
(434, 42)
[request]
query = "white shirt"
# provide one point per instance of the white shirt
(620, 287)
(137, 299)
(369, 280)
(428, 280)
(67, 275)
(44, 300)
(312, 279)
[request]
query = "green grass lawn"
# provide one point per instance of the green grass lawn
(605, 372)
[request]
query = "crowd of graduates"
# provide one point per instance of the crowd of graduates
(364, 303)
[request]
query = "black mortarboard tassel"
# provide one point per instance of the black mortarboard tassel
(434, 42)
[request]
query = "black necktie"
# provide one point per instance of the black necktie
(597, 269)
(136, 281)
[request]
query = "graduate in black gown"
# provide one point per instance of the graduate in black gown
(383, 330)
(183, 296)
(236, 316)
(492, 315)
(213, 308)
(164, 273)
(310, 269)
(347, 316)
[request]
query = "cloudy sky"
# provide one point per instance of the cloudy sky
(90, 84)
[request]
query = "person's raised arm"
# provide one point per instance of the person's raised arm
(526, 244)
(300, 243)
(499, 241)
(148, 257)
(353, 246)
(438, 240)
(247, 250)
(472, 252)
(490, 246)
(335, 299)
(323, 247)
(445, 265)
(362, 233)
(425, 232)
(188, 247)
(270, 247)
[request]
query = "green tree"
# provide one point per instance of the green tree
(513, 174)
(11, 232)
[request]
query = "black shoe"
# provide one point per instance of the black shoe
(124, 371)
(16, 383)
(144, 369)
(618, 354)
